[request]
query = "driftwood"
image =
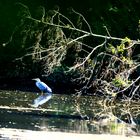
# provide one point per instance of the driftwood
(42, 112)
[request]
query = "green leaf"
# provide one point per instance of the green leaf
(111, 49)
(126, 40)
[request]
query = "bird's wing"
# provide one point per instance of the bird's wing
(42, 86)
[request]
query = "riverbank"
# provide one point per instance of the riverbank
(43, 135)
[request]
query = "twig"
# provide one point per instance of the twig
(83, 19)
(134, 91)
(66, 19)
(129, 85)
(74, 40)
(78, 65)
(107, 31)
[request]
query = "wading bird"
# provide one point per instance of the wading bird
(46, 93)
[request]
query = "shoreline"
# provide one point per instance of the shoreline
(43, 135)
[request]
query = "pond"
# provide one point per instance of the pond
(67, 113)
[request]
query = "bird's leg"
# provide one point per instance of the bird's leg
(42, 93)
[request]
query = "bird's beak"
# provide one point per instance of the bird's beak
(34, 79)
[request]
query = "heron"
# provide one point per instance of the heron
(46, 93)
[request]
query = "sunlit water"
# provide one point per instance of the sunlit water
(67, 113)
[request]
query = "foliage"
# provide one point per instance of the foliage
(52, 43)
(119, 82)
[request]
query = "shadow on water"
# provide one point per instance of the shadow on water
(68, 113)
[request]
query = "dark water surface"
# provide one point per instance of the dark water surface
(68, 113)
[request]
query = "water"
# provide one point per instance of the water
(67, 113)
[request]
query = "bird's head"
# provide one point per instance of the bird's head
(36, 79)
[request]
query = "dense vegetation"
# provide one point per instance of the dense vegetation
(93, 48)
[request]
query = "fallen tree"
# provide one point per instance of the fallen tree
(96, 64)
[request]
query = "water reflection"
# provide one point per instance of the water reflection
(64, 113)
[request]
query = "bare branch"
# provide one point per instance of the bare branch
(82, 31)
